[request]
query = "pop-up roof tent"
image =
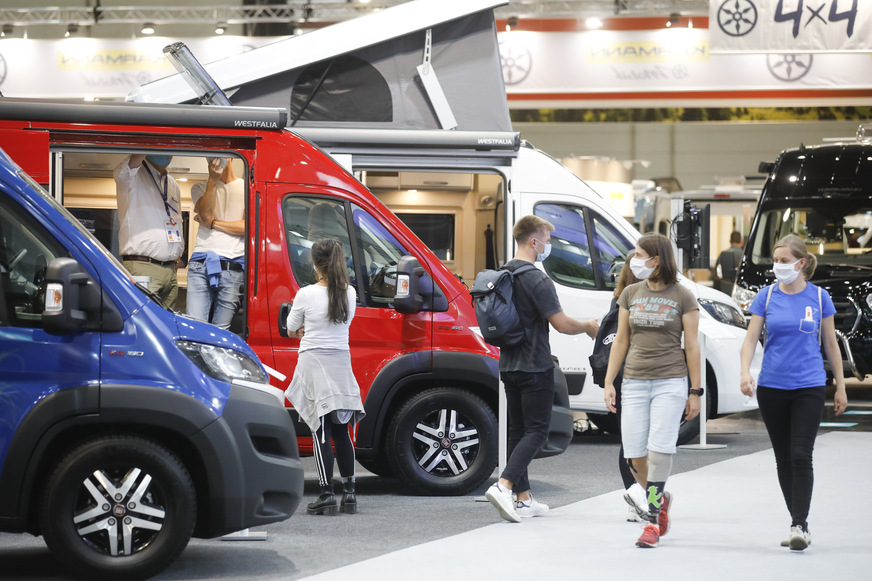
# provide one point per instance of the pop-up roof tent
(426, 64)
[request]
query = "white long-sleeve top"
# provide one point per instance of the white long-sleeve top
(310, 309)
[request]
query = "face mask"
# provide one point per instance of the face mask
(159, 160)
(640, 270)
(785, 273)
(541, 256)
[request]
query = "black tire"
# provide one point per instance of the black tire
(106, 483)
(429, 457)
(606, 422)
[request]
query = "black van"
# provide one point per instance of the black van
(822, 193)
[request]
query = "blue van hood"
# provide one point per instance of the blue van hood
(202, 332)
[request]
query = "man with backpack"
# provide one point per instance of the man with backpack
(527, 368)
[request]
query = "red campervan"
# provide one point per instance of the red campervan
(428, 381)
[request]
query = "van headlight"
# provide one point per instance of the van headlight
(744, 297)
(723, 312)
(222, 363)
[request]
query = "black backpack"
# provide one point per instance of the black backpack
(493, 298)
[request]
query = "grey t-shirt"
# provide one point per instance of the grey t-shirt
(655, 330)
(535, 300)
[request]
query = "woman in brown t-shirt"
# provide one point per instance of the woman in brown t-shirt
(653, 316)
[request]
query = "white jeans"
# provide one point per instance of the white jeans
(651, 414)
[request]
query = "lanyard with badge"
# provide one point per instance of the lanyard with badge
(171, 225)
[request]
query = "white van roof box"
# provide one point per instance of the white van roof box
(378, 71)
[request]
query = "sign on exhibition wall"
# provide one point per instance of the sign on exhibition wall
(663, 67)
(76, 68)
(790, 26)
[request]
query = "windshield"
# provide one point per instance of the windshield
(840, 234)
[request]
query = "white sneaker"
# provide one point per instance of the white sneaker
(531, 507)
(798, 539)
(501, 498)
(635, 497)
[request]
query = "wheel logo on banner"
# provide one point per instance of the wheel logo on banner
(516, 62)
(789, 67)
(737, 17)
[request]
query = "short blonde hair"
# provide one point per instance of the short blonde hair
(529, 226)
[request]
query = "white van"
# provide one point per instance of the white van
(440, 152)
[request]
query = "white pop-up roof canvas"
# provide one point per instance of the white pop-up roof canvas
(426, 64)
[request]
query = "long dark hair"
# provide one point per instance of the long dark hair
(328, 258)
(659, 245)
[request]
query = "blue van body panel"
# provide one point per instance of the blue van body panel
(57, 391)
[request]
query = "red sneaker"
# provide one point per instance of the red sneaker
(664, 513)
(650, 537)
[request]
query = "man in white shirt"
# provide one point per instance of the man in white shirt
(150, 222)
(216, 270)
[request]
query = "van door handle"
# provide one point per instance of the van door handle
(284, 311)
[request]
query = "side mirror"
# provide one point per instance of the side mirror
(765, 167)
(407, 299)
(284, 311)
(72, 299)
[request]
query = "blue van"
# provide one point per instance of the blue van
(125, 429)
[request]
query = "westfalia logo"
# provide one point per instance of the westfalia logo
(248, 123)
(494, 141)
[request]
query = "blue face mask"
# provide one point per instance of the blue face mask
(159, 160)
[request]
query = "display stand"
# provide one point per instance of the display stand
(703, 420)
(245, 535)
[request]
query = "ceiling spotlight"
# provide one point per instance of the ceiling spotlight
(7, 29)
(510, 22)
(220, 28)
(593, 22)
(690, 22)
(148, 28)
(72, 28)
(674, 18)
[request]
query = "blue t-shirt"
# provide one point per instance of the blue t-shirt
(792, 357)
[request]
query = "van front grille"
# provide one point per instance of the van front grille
(846, 314)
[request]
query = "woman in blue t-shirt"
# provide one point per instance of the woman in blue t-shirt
(798, 317)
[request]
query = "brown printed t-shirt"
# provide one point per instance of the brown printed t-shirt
(655, 330)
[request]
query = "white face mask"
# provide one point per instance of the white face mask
(640, 270)
(785, 273)
(540, 256)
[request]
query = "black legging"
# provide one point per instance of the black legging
(792, 418)
(341, 440)
(623, 467)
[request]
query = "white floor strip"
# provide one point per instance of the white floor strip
(728, 521)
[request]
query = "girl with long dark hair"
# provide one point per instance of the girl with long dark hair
(324, 391)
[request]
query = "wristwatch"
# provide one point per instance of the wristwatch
(698, 391)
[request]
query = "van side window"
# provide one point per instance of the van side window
(381, 253)
(308, 220)
(573, 262)
(26, 250)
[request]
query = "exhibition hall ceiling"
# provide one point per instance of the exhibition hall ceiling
(102, 14)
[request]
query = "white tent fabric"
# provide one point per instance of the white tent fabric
(364, 73)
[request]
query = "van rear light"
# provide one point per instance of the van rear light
(54, 297)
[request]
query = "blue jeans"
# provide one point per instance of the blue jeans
(529, 398)
(215, 305)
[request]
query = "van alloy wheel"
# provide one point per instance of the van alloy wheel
(443, 441)
(118, 506)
